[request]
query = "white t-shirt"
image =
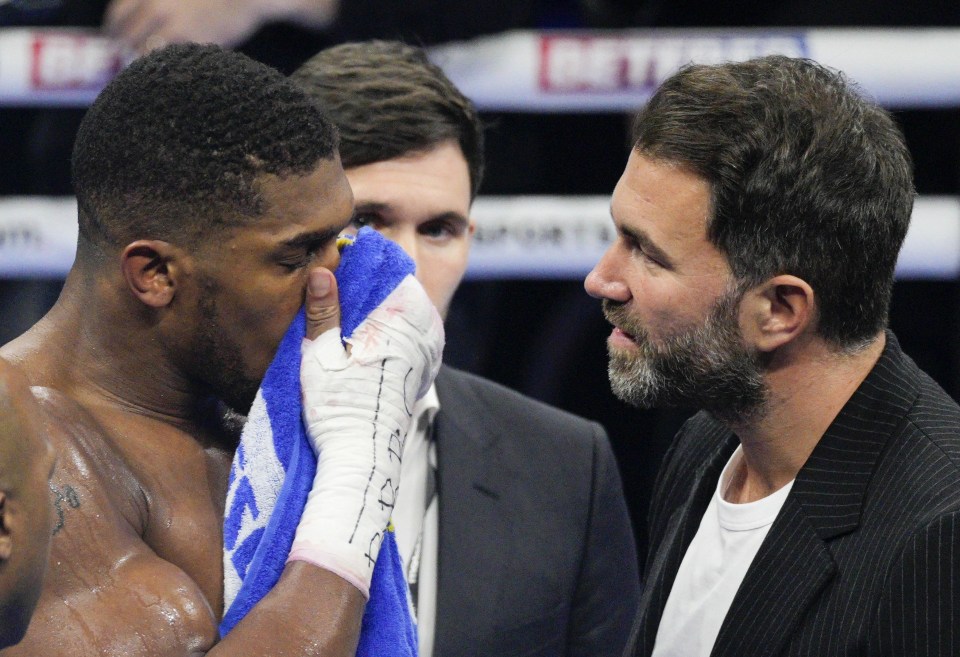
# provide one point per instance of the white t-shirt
(712, 570)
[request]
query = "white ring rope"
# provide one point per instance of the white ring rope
(532, 237)
(617, 71)
(525, 237)
(575, 71)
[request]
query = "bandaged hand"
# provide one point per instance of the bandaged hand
(357, 408)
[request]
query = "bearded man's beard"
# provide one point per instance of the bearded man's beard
(704, 366)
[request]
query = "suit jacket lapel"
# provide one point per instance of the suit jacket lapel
(471, 483)
(790, 569)
(681, 529)
(795, 562)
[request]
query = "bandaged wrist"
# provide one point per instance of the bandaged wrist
(357, 411)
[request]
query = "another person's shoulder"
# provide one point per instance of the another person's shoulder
(914, 426)
(936, 415)
(10, 375)
(931, 425)
(15, 394)
(922, 460)
(26, 464)
(514, 411)
(538, 442)
(549, 462)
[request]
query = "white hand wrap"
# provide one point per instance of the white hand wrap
(357, 409)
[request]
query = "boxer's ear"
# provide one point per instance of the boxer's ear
(149, 267)
(6, 541)
(777, 311)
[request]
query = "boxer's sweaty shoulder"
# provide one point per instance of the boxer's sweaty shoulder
(135, 564)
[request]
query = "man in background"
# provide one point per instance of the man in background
(26, 515)
(812, 507)
(511, 518)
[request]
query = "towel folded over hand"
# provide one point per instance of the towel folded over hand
(274, 467)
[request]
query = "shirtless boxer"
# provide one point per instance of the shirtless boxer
(26, 516)
(211, 196)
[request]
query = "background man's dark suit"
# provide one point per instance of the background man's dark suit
(536, 552)
(864, 558)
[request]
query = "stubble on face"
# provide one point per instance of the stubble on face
(704, 366)
(216, 360)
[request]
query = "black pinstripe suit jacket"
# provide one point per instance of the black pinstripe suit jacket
(864, 558)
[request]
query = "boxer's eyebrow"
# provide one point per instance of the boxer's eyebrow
(314, 237)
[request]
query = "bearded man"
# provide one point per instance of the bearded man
(812, 507)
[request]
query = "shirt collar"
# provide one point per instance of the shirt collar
(425, 409)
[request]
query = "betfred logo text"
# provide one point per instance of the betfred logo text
(591, 64)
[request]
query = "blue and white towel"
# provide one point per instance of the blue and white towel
(274, 467)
